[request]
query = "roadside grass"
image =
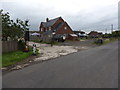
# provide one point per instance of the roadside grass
(109, 40)
(106, 41)
(0, 60)
(14, 57)
(83, 39)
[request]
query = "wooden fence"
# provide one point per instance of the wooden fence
(9, 46)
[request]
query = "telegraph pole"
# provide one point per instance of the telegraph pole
(111, 28)
(119, 15)
(106, 30)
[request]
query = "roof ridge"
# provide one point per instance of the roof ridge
(55, 18)
(50, 22)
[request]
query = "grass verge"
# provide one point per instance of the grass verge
(106, 41)
(83, 39)
(0, 60)
(14, 57)
(110, 40)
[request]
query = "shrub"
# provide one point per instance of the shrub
(21, 45)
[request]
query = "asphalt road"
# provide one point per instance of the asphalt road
(93, 68)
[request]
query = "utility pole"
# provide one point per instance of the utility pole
(119, 15)
(111, 28)
(106, 30)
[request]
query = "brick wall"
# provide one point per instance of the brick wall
(63, 31)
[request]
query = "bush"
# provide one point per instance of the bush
(21, 45)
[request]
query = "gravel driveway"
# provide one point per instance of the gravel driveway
(48, 52)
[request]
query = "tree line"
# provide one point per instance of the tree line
(115, 34)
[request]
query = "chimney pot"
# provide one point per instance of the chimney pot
(47, 19)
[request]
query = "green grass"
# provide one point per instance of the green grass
(83, 39)
(14, 57)
(107, 40)
(0, 60)
(110, 40)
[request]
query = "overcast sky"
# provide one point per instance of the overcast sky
(84, 15)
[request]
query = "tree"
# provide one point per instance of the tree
(12, 29)
(116, 34)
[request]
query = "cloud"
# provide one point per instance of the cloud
(80, 14)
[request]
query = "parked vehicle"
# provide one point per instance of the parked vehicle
(99, 41)
(59, 38)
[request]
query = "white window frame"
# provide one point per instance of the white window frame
(65, 28)
(41, 29)
(49, 28)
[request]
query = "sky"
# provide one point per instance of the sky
(86, 15)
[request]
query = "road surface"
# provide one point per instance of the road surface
(93, 68)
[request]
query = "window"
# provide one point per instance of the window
(46, 29)
(49, 28)
(41, 29)
(65, 28)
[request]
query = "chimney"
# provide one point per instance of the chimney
(47, 19)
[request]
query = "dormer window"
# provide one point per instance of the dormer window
(65, 28)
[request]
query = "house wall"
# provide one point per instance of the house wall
(46, 38)
(41, 26)
(63, 31)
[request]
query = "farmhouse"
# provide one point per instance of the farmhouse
(95, 34)
(58, 27)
